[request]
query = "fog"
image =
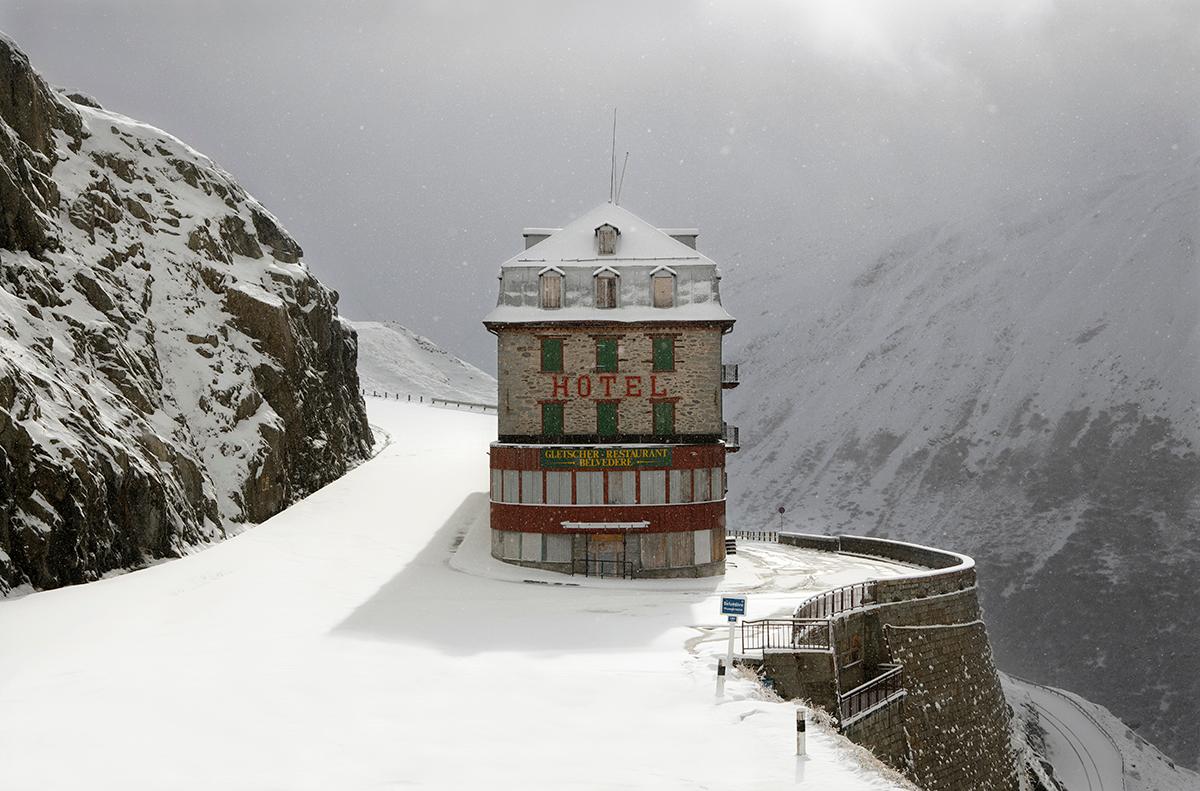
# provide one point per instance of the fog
(405, 145)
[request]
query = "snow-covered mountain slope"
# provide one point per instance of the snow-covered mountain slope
(1020, 385)
(393, 359)
(1085, 747)
(169, 366)
(336, 647)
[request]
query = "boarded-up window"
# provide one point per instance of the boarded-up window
(552, 355)
(654, 550)
(589, 488)
(622, 487)
(664, 354)
(718, 483)
(511, 486)
(680, 549)
(681, 486)
(558, 487)
(531, 546)
(606, 418)
(552, 419)
(664, 290)
(654, 487)
(551, 290)
(558, 548)
(606, 239)
(606, 355)
(703, 546)
(531, 486)
(497, 485)
(701, 487)
(512, 545)
(664, 418)
(606, 291)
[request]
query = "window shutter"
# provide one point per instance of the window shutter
(664, 418)
(664, 291)
(606, 418)
(552, 419)
(552, 357)
(606, 355)
(664, 354)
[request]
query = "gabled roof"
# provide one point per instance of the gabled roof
(576, 242)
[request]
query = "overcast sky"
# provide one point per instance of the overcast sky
(405, 145)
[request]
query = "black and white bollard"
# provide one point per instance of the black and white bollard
(801, 747)
(720, 678)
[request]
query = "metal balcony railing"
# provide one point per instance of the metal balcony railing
(730, 436)
(729, 376)
(787, 634)
(867, 696)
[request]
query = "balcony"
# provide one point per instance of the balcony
(730, 437)
(729, 376)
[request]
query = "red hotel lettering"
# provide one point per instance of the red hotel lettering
(607, 380)
(565, 386)
(633, 386)
(583, 386)
(654, 388)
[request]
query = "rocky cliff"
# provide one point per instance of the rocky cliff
(170, 367)
(1023, 385)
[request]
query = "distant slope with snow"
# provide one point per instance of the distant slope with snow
(394, 359)
(1023, 386)
(1086, 747)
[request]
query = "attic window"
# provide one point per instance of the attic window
(551, 289)
(606, 290)
(606, 239)
(663, 286)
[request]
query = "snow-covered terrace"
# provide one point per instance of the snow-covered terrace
(364, 639)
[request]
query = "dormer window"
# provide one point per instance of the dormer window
(606, 239)
(662, 287)
(606, 287)
(551, 288)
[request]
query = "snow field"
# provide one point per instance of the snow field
(335, 647)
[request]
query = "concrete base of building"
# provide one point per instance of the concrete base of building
(633, 555)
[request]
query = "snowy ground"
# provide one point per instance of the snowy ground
(335, 646)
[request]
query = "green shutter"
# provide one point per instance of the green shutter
(664, 354)
(552, 420)
(664, 418)
(606, 418)
(552, 356)
(606, 355)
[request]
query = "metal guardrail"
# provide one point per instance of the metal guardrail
(421, 398)
(838, 600)
(868, 695)
(792, 634)
(757, 535)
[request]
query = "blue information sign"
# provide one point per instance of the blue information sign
(733, 605)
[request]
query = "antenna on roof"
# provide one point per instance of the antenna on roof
(612, 173)
(621, 182)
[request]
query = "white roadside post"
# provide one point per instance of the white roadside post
(801, 745)
(732, 607)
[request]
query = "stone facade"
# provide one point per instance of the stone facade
(694, 386)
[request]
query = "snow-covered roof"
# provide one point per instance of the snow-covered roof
(576, 242)
(641, 252)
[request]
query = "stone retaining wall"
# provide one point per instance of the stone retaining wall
(951, 730)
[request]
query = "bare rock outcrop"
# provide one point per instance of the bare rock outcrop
(169, 368)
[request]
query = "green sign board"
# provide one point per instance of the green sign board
(604, 458)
